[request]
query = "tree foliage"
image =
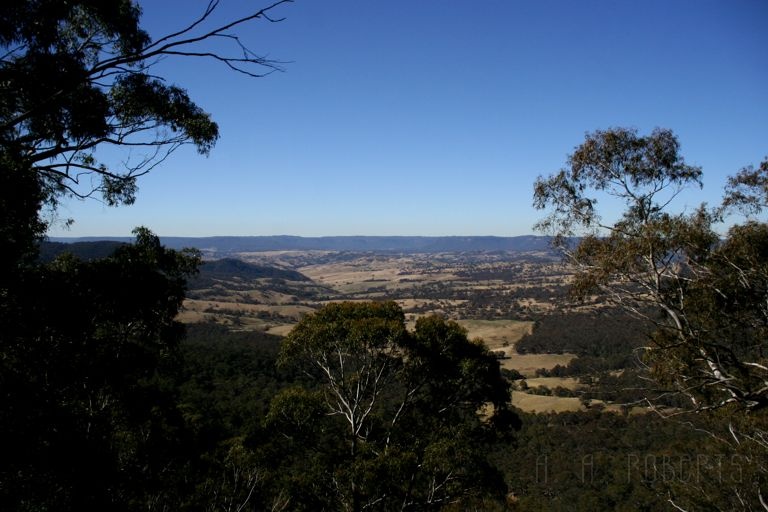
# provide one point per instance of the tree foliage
(747, 191)
(704, 293)
(711, 291)
(644, 173)
(396, 411)
(88, 357)
(89, 408)
(77, 76)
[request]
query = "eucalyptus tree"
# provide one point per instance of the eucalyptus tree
(711, 291)
(79, 76)
(88, 415)
(394, 418)
(87, 349)
(703, 293)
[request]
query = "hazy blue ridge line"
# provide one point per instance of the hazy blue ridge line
(233, 244)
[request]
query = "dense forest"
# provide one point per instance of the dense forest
(568, 461)
(604, 339)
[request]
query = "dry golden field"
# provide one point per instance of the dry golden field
(527, 364)
(553, 382)
(544, 404)
(537, 403)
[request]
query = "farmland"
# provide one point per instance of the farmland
(495, 296)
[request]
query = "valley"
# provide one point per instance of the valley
(497, 296)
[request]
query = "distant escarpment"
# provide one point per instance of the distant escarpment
(223, 245)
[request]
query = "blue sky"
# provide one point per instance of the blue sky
(435, 117)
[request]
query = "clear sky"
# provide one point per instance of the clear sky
(434, 117)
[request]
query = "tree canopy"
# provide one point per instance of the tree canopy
(711, 290)
(403, 409)
(78, 76)
(87, 415)
(89, 411)
(705, 292)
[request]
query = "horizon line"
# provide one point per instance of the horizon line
(51, 237)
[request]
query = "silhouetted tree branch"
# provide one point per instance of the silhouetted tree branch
(76, 77)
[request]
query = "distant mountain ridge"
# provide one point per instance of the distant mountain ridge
(235, 244)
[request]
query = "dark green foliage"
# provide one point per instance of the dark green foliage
(22, 195)
(611, 336)
(643, 171)
(709, 294)
(604, 461)
(90, 369)
(393, 414)
(74, 79)
(89, 360)
(592, 461)
(628, 387)
(227, 382)
(747, 191)
(705, 295)
(77, 75)
(604, 340)
(723, 315)
(229, 379)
